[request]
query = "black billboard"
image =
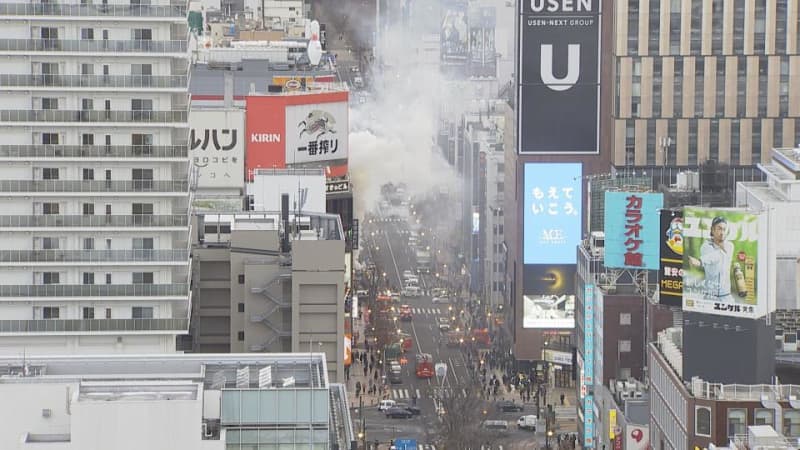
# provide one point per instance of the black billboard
(559, 76)
(670, 271)
(549, 279)
(482, 53)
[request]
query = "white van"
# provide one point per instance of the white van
(386, 404)
(527, 422)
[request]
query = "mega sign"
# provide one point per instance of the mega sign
(670, 271)
(723, 263)
(552, 212)
(559, 84)
(216, 147)
(631, 229)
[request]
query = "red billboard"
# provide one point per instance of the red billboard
(266, 129)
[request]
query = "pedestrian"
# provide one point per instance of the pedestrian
(365, 370)
(562, 399)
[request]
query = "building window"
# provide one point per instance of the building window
(88, 277)
(240, 307)
(50, 138)
(88, 174)
(50, 278)
(624, 346)
(50, 312)
(142, 243)
(764, 417)
(50, 243)
(88, 209)
(108, 278)
(87, 33)
(50, 173)
(49, 208)
(142, 277)
(49, 103)
(88, 312)
(88, 243)
(241, 279)
(791, 423)
(240, 335)
(702, 421)
(737, 421)
(108, 313)
(142, 312)
(624, 318)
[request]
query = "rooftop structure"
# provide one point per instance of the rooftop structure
(184, 401)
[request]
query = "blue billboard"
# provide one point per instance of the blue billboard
(632, 230)
(552, 212)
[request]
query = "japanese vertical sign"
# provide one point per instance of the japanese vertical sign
(723, 263)
(316, 132)
(216, 147)
(670, 271)
(558, 62)
(632, 229)
(588, 366)
(552, 212)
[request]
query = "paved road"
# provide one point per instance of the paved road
(387, 248)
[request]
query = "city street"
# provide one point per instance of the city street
(386, 246)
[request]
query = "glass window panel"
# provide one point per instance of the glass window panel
(321, 406)
(230, 406)
(250, 409)
(287, 407)
(249, 436)
(267, 436)
(286, 437)
(270, 408)
(303, 406)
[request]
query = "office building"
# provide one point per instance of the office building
(698, 413)
(95, 182)
(264, 284)
(175, 402)
(705, 80)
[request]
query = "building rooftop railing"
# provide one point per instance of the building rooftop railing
(92, 325)
(95, 290)
(28, 256)
(744, 392)
(86, 10)
(101, 45)
(55, 220)
(77, 115)
(97, 151)
(94, 81)
(180, 186)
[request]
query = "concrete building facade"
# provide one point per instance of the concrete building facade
(95, 181)
(698, 80)
(255, 295)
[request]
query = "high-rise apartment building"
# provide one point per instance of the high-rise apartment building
(705, 79)
(94, 178)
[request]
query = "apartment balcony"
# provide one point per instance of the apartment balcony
(106, 186)
(81, 326)
(94, 46)
(94, 256)
(109, 11)
(94, 290)
(63, 221)
(92, 116)
(145, 82)
(94, 151)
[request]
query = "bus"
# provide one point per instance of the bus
(424, 365)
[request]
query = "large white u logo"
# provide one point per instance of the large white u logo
(573, 67)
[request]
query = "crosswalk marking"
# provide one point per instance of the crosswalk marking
(430, 311)
(418, 396)
(398, 394)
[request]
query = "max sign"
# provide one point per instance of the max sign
(559, 83)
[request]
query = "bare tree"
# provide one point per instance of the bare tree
(462, 412)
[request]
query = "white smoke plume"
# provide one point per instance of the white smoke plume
(393, 136)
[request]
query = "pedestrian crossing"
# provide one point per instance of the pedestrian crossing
(426, 311)
(407, 394)
(403, 394)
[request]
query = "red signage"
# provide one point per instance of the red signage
(266, 134)
(633, 228)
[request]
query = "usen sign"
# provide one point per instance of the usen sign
(559, 83)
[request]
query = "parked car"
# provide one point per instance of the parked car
(527, 422)
(509, 406)
(398, 413)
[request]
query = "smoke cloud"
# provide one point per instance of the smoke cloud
(393, 135)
